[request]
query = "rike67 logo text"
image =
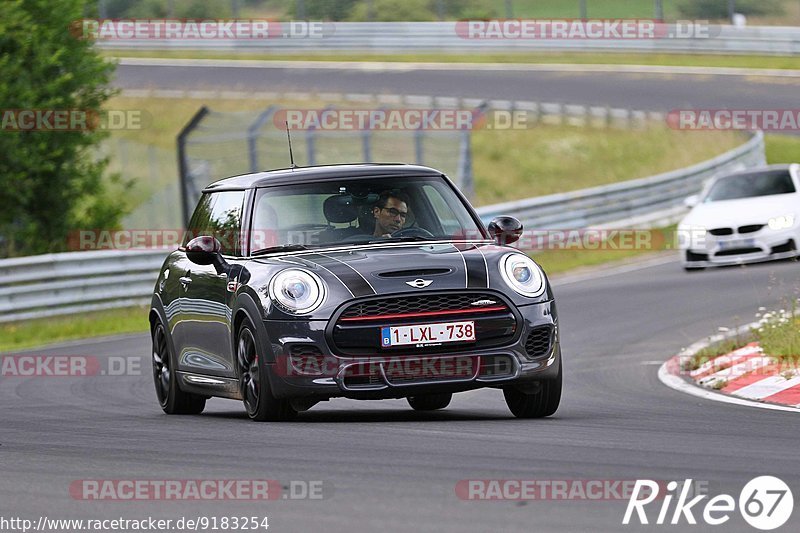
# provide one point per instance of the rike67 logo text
(765, 503)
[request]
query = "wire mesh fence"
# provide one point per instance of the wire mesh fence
(222, 144)
(155, 191)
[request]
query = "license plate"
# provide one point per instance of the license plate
(737, 243)
(428, 334)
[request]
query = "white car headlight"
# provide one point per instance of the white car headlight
(297, 291)
(782, 222)
(522, 274)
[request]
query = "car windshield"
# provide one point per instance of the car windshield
(359, 211)
(751, 185)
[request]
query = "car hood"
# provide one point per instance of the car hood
(731, 213)
(391, 268)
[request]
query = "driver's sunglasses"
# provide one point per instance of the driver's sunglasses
(395, 213)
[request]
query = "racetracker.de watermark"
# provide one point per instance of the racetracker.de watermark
(535, 240)
(560, 489)
(408, 367)
(734, 119)
(428, 119)
(579, 29)
(73, 119)
(197, 489)
(198, 29)
(51, 366)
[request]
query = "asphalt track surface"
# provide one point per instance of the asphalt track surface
(656, 92)
(387, 468)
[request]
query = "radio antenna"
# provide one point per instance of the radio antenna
(289, 136)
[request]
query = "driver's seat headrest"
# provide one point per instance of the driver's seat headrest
(340, 209)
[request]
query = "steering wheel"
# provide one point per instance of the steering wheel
(413, 232)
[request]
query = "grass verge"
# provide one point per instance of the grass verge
(782, 149)
(777, 332)
(575, 58)
(32, 333)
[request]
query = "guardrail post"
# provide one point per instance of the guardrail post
(183, 163)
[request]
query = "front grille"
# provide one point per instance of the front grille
(721, 231)
(738, 251)
(442, 369)
(752, 228)
(357, 329)
(422, 304)
(412, 371)
(539, 341)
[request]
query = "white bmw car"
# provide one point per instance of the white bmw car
(746, 217)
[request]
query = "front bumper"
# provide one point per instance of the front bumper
(394, 375)
(764, 245)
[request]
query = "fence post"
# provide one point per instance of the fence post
(183, 163)
(252, 136)
(466, 181)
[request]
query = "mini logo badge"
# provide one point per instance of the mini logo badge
(419, 283)
(479, 303)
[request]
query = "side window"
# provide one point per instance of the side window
(447, 218)
(219, 215)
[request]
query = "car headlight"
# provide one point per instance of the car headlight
(782, 222)
(297, 291)
(522, 274)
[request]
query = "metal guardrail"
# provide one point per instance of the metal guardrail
(404, 37)
(65, 283)
(72, 282)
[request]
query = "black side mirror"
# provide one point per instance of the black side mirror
(204, 251)
(505, 230)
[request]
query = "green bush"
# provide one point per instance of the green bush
(50, 181)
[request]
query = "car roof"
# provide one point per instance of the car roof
(288, 176)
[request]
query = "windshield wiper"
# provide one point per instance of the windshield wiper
(281, 248)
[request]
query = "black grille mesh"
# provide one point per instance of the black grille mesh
(721, 231)
(307, 359)
(539, 341)
(751, 228)
(418, 304)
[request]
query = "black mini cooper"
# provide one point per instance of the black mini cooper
(365, 281)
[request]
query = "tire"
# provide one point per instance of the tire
(430, 402)
(537, 405)
(172, 399)
(259, 402)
